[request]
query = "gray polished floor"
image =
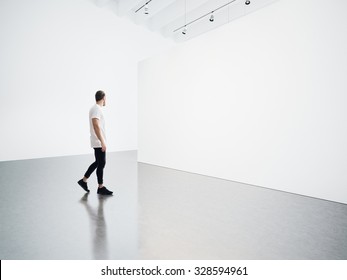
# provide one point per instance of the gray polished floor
(157, 213)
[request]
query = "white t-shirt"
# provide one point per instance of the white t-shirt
(96, 112)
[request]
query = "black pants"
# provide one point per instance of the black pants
(98, 164)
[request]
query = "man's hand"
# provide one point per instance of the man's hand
(103, 147)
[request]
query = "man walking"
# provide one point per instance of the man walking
(98, 143)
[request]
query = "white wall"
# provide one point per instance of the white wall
(260, 101)
(54, 56)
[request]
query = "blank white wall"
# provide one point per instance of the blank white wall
(54, 56)
(260, 101)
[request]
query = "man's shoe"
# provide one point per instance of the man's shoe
(104, 191)
(83, 185)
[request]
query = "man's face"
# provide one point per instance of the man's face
(104, 101)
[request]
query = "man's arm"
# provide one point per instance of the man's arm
(98, 133)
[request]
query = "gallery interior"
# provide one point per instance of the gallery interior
(225, 122)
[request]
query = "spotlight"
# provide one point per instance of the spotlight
(211, 18)
(247, 2)
(184, 31)
(146, 9)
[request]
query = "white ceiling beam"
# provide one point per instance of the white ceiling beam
(154, 8)
(102, 3)
(192, 14)
(176, 11)
(166, 16)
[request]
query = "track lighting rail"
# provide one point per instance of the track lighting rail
(143, 5)
(199, 18)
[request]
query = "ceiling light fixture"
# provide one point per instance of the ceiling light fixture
(212, 17)
(184, 31)
(210, 13)
(145, 6)
(247, 2)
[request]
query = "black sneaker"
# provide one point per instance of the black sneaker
(83, 185)
(104, 191)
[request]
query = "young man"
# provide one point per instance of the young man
(98, 143)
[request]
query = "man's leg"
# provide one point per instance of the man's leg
(101, 160)
(100, 157)
(91, 168)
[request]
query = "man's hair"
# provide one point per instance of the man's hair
(99, 95)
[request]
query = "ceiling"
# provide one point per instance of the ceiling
(171, 17)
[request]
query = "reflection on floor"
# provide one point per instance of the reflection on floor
(45, 214)
(157, 213)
